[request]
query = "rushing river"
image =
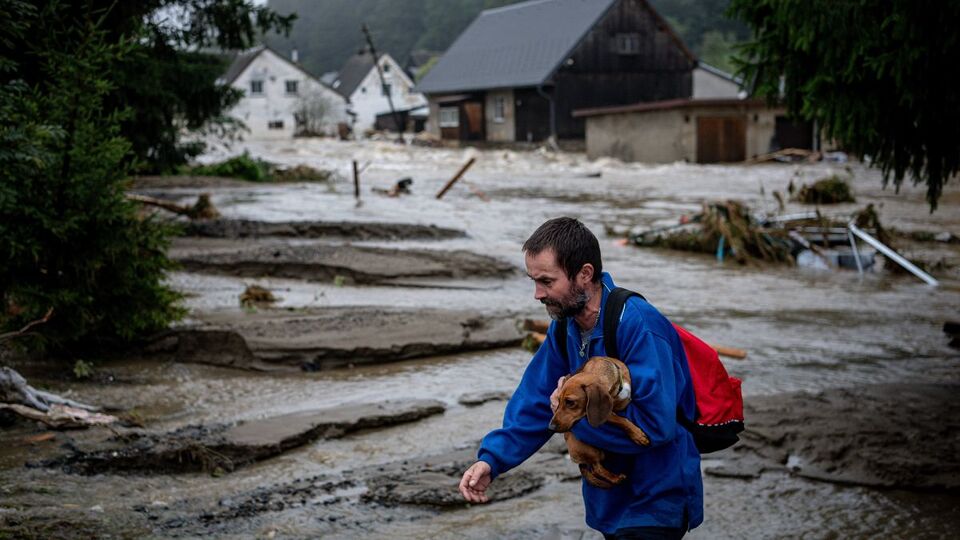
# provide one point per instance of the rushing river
(804, 330)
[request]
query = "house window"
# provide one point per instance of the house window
(256, 87)
(449, 117)
(499, 108)
(363, 89)
(628, 43)
(386, 89)
(292, 87)
(386, 68)
(275, 124)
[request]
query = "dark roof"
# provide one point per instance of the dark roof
(514, 46)
(240, 63)
(353, 72)
(682, 103)
(243, 59)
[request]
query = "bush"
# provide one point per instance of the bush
(242, 166)
(829, 190)
(69, 239)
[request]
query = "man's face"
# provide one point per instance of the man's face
(562, 296)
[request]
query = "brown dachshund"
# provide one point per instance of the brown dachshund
(601, 387)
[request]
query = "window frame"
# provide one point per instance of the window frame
(256, 87)
(296, 87)
(449, 122)
(499, 109)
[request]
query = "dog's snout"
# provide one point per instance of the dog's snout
(552, 426)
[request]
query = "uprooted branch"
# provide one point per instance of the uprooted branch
(26, 329)
(202, 209)
(57, 412)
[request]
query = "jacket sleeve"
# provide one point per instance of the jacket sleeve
(655, 380)
(527, 414)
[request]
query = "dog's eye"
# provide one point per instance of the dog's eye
(570, 403)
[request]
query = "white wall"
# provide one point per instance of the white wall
(275, 104)
(711, 85)
(368, 100)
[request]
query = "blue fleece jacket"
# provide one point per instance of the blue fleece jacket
(663, 479)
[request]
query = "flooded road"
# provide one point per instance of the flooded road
(804, 330)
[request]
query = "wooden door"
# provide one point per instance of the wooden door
(473, 114)
(721, 139)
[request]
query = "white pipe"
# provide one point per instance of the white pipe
(856, 252)
(892, 255)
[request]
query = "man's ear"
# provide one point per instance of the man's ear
(585, 274)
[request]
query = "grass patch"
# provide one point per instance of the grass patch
(829, 190)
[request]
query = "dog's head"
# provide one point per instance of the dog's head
(581, 395)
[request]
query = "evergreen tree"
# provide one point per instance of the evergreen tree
(878, 77)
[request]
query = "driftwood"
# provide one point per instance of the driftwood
(55, 411)
(202, 209)
(800, 153)
(456, 177)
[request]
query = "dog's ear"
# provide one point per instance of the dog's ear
(599, 404)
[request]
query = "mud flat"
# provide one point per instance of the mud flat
(245, 228)
(901, 436)
(352, 264)
(227, 447)
(411, 489)
(334, 337)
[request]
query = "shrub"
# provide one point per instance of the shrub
(829, 190)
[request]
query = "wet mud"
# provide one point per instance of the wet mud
(225, 448)
(349, 263)
(888, 436)
(247, 228)
(320, 339)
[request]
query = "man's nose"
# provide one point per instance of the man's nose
(539, 293)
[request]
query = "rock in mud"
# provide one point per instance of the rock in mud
(343, 263)
(902, 436)
(228, 447)
(473, 399)
(244, 228)
(335, 337)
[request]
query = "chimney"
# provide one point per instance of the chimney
(294, 56)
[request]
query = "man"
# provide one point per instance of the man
(662, 496)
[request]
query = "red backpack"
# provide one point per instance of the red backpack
(719, 401)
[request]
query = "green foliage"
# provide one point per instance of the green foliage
(242, 166)
(706, 29)
(165, 83)
(69, 239)
(878, 77)
(82, 369)
(829, 190)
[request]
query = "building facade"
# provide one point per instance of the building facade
(359, 82)
(281, 99)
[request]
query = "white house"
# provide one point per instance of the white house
(359, 82)
(710, 82)
(281, 98)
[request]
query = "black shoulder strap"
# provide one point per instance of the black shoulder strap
(560, 338)
(611, 318)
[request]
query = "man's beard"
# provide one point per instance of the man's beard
(571, 306)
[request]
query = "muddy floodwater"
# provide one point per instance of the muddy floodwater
(812, 336)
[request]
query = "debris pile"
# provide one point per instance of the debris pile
(829, 190)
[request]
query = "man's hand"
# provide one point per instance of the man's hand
(475, 481)
(555, 396)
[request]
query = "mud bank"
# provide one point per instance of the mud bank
(140, 183)
(351, 264)
(412, 489)
(245, 228)
(888, 436)
(333, 337)
(227, 447)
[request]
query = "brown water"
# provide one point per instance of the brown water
(804, 330)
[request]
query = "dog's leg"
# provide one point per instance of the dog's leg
(633, 432)
(589, 458)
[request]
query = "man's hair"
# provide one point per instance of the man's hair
(571, 241)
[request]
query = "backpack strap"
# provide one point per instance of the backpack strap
(560, 338)
(611, 318)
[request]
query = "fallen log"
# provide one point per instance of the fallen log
(61, 416)
(456, 177)
(14, 390)
(202, 209)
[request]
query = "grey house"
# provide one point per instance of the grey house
(518, 72)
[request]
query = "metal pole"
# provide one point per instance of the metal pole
(383, 83)
(892, 255)
(856, 252)
(356, 181)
